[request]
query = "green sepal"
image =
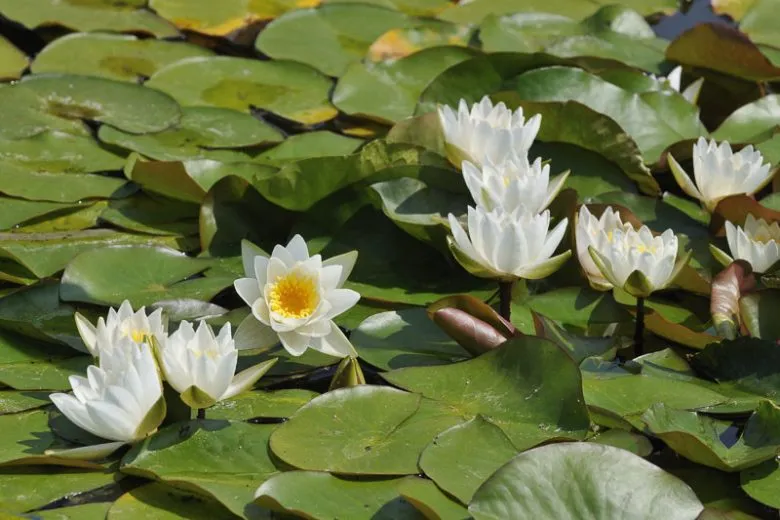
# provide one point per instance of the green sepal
(194, 397)
(474, 267)
(154, 418)
(603, 265)
(720, 256)
(638, 285)
(348, 374)
(547, 267)
(679, 265)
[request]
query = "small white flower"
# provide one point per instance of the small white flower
(596, 232)
(201, 366)
(134, 325)
(674, 80)
(294, 298)
(636, 261)
(119, 400)
(757, 243)
(719, 172)
(513, 184)
(507, 246)
(486, 133)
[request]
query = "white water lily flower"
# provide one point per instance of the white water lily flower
(596, 232)
(674, 80)
(294, 298)
(507, 246)
(201, 366)
(513, 184)
(758, 243)
(636, 261)
(134, 325)
(486, 133)
(120, 400)
(719, 172)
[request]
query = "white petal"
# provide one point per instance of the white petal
(294, 343)
(252, 334)
(297, 248)
(341, 300)
(248, 289)
(87, 331)
(334, 344)
(347, 263)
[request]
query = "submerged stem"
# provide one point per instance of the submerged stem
(505, 299)
(639, 331)
(201, 413)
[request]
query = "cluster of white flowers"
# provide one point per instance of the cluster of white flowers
(509, 233)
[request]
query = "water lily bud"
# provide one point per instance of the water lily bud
(758, 243)
(719, 172)
(134, 325)
(513, 184)
(507, 246)
(294, 298)
(486, 133)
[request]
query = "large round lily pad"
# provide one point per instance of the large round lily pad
(583, 480)
(113, 56)
(290, 89)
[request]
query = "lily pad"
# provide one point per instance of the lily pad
(153, 215)
(129, 16)
(583, 480)
(43, 375)
(12, 59)
(201, 456)
(411, 39)
(163, 502)
(751, 123)
(397, 339)
(460, 459)
(251, 405)
(292, 90)
(113, 56)
(319, 143)
(27, 115)
(528, 387)
(329, 37)
(58, 152)
(364, 430)
(23, 489)
(19, 401)
(150, 274)
(321, 496)
(431, 501)
(129, 107)
(761, 482)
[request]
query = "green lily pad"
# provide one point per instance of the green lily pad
(19, 401)
(757, 23)
(129, 107)
(95, 511)
(606, 34)
(762, 481)
(751, 123)
(579, 306)
(430, 500)
(112, 56)
(23, 489)
(153, 215)
(716, 443)
(397, 339)
(251, 405)
(58, 152)
(460, 459)
(328, 38)
(27, 115)
(388, 91)
(321, 496)
(200, 131)
(286, 364)
(163, 502)
(634, 442)
(319, 143)
(364, 430)
(292, 90)
(418, 36)
(43, 375)
(583, 480)
(149, 274)
(477, 10)
(412, 7)
(202, 456)
(528, 387)
(87, 16)
(655, 214)
(653, 128)
(755, 312)
(16, 181)
(12, 59)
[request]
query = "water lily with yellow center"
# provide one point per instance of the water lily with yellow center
(486, 134)
(637, 261)
(757, 242)
(137, 326)
(597, 232)
(201, 366)
(120, 400)
(507, 246)
(294, 298)
(719, 172)
(513, 184)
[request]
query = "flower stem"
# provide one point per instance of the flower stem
(201, 413)
(639, 331)
(505, 299)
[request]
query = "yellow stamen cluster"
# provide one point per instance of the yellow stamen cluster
(293, 295)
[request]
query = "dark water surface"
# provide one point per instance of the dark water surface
(699, 11)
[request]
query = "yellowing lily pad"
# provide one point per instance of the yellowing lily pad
(401, 42)
(113, 56)
(132, 108)
(412, 7)
(88, 15)
(330, 37)
(223, 17)
(12, 60)
(292, 90)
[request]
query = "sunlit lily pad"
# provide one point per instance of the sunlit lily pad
(251, 405)
(476, 10)
(158, 500)
(290, 89)
(58, 152)
(405, 41)
(761, 482)
(113, 56)
(30, 488)
(12, 60)
(319, 143)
